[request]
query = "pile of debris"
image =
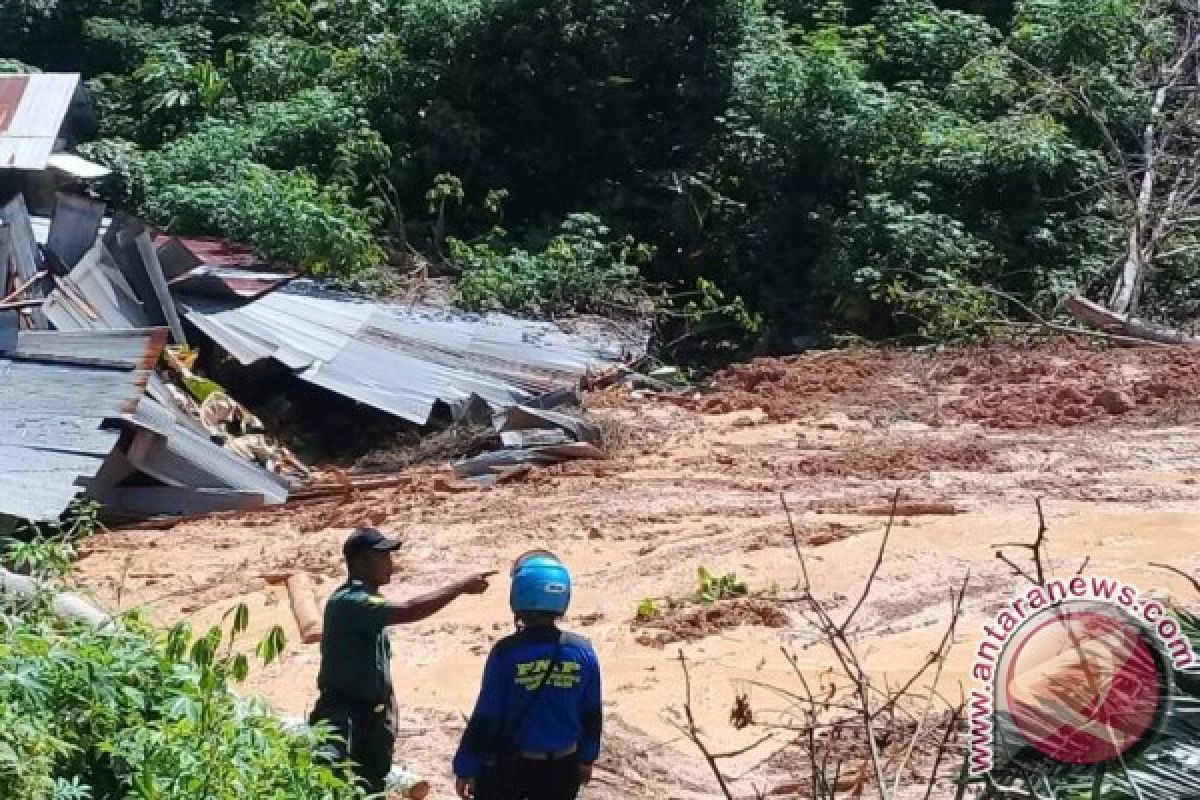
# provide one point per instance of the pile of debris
(96, 332)
(533, 436)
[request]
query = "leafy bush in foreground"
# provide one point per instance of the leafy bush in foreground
(132, 713)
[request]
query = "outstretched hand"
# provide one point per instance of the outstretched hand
(477, 584)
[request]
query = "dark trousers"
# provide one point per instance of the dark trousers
(367, 736)
(535, 780)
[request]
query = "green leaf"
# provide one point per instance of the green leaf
(241, 619)
(241, 668)
(273, 645)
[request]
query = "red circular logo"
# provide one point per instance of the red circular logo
(1082, 684)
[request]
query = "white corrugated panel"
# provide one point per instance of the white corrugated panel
(28, 138)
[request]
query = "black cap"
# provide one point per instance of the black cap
(364, 539)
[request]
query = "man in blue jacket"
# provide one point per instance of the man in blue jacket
(535, 732)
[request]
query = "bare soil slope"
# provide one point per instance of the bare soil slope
(1107, 438)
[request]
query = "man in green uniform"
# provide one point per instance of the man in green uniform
(355, 680)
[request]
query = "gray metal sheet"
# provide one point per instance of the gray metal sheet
(122, 349)
(150, 501)
(54, 433)
(95, 296)
(153, 416)
(10, 325)
(162, 296)
(400, 384)
(57, 421)
(487, 463)
(186, 458)
(242, 348)
(41, 228)
(176, 259)
(74, 228)
(124, 253)
(69, 390)
(523, 418)
(39, 485)
(5, 250)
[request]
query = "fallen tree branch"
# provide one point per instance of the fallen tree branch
(1096, 316)
(1071, 330)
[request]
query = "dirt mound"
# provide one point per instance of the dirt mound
(1064, 386)
(689, 624)
(795, 386)
(1045, 384)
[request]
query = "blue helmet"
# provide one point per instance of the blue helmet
(540, 582)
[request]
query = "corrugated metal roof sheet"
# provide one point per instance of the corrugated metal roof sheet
(58, 394)
(32, 110)
(406, 359)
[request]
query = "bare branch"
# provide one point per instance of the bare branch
(956, 601)
(1195, 583)
(951, 727)
(874, 569)
(1036, 549)
(693, 733)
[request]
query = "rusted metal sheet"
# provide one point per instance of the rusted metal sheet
(228, 282)
(12, 89)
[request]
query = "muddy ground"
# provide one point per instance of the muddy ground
(1108, 439)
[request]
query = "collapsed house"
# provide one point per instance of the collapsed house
(96, 320)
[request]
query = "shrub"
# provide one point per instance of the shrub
(582, 267)
(128, 712)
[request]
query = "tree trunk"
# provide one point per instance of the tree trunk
(1128, 287)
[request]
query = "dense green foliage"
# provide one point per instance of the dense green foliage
(870, 164)
(131, 713)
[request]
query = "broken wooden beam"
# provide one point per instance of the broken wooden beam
(304, 607)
